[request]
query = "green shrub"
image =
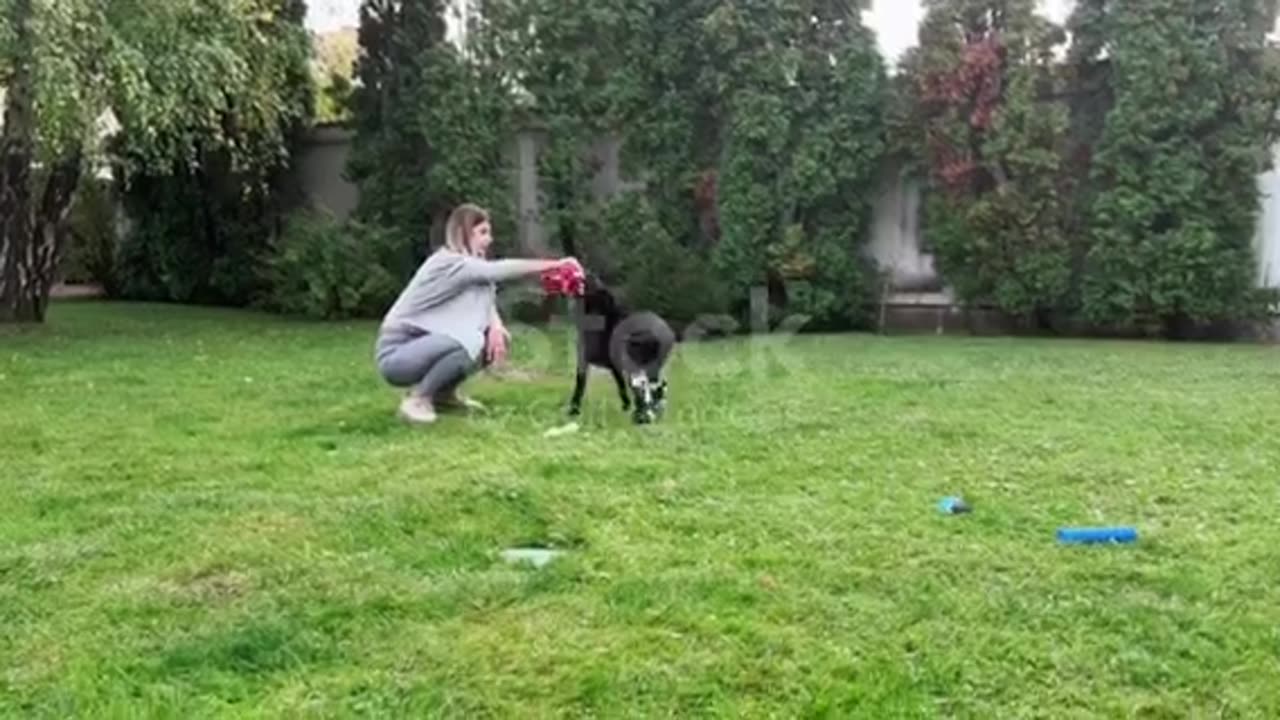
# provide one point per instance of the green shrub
(631, 250)
(202, 217)
(91, 249)
(152, 262)
(195, 235)
(324, 269)
(825, 279)
(1172, 223)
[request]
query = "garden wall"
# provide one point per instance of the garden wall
(896, 243)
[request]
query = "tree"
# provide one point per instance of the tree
(756, 126)
(333, 69)
(983, 104)
(803, 143)
(199, 228)
(1171, 223)
(168, 72)
(837, 144)
(580, 68)
(389, 156)
(33, 206)
(432, 122)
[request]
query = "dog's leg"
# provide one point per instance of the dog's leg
(622, 388)
(579, 387)
(580, 380)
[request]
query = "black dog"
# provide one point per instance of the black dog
(633, 346)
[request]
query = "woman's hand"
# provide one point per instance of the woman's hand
(571, 262)
(497, 344)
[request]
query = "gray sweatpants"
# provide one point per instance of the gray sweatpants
(434, 365)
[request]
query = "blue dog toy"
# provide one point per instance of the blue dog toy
(1094, 536)
(954, 506)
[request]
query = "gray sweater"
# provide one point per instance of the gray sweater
(450, 294)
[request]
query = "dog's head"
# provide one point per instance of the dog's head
(592, 284)
(600, 299)
(649, 398)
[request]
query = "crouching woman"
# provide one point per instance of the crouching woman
(445, 325)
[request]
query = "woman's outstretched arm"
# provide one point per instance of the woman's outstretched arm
(495, 271)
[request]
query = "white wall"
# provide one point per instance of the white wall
(1267, 241)
(896, 235)
(320, 171)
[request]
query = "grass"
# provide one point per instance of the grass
(213, 513)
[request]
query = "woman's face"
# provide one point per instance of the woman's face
(481, 238)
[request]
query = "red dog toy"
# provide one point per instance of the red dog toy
(564, 280)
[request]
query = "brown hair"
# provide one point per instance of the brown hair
(457, 231)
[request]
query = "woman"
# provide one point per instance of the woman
(434, 335)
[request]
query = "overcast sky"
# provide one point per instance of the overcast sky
(893, 20)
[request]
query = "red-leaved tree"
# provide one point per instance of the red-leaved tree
(982, 105)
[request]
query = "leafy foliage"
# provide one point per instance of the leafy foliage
(197, 236)
(209, 75)
(1117, 184)
(751, 206)
(432, 124)
(389, 157)
(651, 270)
(580, 75)
(198, 228)
(838, 144)
(182, 78)
(323, 269)
(332, 71)
(982, 86)
(92, 247)
(803, 143)
(1196, 91)
(1129, 198)
(744, 122)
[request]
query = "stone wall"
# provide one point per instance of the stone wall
(320, 171)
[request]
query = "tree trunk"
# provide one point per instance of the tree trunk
(17, 145)
(52, 228)
(17, 150)
(31, 236)
(34, 238)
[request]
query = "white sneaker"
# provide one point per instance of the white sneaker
(417, 410)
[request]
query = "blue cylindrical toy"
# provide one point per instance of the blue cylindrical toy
(1095, 535)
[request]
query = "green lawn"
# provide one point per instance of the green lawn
(213, 513)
